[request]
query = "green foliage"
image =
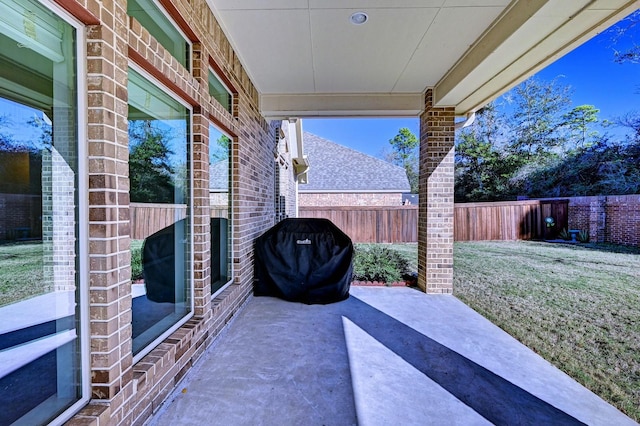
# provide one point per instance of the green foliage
(583, 236)
(136, 259)
(578, 121)
(564, 234)
(603, 168)
(537, 149)
(405, 154)
(150, 170)
(220, 150)
(378, 263)
(483, 166)
(536, 120)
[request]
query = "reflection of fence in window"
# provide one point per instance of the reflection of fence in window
(147, 218)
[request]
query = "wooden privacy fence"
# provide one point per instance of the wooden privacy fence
(147, 218)
(510, 220)
(371, 224)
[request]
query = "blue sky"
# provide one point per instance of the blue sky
(590, 70)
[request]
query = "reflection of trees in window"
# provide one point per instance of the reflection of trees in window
(38, 125)
(7, 141)
(220, 151)
(150, 169)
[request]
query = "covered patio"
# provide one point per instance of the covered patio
(237, 78)
(439, 60)
(384, 356)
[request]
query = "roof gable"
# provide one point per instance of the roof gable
(336, 168)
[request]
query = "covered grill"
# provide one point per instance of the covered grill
(304, 260)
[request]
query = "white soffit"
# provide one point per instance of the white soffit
(306, 58)
(557, 27)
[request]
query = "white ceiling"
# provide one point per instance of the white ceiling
(307, 59)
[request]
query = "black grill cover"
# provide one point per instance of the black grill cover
(159, 264)
(304, 260)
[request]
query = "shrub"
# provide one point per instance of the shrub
(136, 260)
(377, 263)
(564, 234)
(583, 236)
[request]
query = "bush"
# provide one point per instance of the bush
(136, 260)
(377, 263)
(583, 236)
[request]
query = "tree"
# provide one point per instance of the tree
(630, 120)
(623, 33)
(219, 151)
(578, 121)
(483, 169)
(405, 154)
(150, 170)
(536, 118)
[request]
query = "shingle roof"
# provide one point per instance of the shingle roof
(334, 167)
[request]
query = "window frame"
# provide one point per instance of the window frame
(166, 90)
(231, 268)
(81, 184)
(232, 93)
(165, 12)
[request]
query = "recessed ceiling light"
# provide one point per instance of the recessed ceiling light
(358, 18)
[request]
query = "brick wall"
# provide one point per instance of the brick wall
(310, 199)
(20, 221)
(435, 207)
(610, 219)
(124, 392)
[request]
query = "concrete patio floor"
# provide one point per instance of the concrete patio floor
(385, 356)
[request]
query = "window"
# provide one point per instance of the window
(159, 173)
(220, 201)
(153, 18)
(219, 91)
(40, 243)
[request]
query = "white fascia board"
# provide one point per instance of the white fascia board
(351, 191)
(281, 106)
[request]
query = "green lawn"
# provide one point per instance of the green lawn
(577, 306)
(21, 272)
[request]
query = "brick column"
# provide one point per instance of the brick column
(201, 216)
(598, 219)
(435, 213)
(109, 242)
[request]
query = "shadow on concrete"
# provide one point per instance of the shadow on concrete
(358, 362)
(496, 399)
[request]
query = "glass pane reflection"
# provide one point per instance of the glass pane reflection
(219, 197)
(40, 366)
(159, 193)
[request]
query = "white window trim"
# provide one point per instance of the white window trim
(137, 357)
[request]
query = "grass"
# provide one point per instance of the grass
(21, 272)
(577, 306)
